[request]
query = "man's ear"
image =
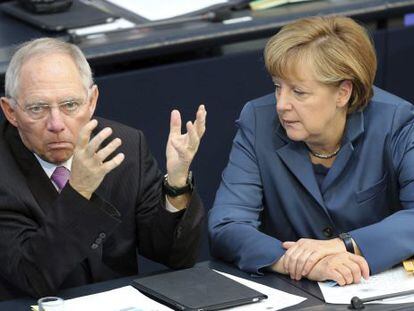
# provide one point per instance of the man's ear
(344, 93)
(8, 110)
(93, 99)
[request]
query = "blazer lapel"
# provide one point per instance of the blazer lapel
(38, 182)
(354, 129)
(295, 155)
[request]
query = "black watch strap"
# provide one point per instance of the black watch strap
(347, 239)
(174, 191)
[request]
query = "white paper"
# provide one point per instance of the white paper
(162, 9)
(388, 282)
(126, 298)
(119, 23)
(276, 300)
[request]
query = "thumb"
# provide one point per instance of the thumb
(288, 244)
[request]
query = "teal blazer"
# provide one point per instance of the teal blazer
(269, 193)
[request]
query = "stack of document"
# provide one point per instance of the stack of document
(276, 300)
(388, 282)
(130, 299)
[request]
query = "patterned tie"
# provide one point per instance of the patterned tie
(60, 176)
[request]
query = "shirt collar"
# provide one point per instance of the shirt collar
(49, 168)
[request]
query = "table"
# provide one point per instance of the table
(302, 288)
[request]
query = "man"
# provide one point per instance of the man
(57, 233)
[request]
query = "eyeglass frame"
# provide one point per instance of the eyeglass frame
(49, 107)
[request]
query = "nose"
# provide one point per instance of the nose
(55, 122)
(282, 100)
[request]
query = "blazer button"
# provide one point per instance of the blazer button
(328, 232)
(102, 235)
(98, 241)
(94, 246)
(179, 231)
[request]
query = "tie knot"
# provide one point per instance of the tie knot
(60, 176)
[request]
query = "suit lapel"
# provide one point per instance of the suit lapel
(354, 129)
(38, 182)
(296, 158)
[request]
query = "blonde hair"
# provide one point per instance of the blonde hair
(337, 48)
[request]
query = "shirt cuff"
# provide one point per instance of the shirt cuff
(169, 207)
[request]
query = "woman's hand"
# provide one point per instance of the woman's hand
(301, 256)
(343, 268)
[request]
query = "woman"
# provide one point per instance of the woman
(320, 181)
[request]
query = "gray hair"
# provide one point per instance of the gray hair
(44, 46)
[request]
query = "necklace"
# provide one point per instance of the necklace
(322, 155)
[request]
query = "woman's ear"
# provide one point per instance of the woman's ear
(344, 93)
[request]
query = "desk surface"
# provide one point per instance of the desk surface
(305, 288)
(138, 45)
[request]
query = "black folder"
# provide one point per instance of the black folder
(198, 288)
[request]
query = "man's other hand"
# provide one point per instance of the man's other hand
(89, 166)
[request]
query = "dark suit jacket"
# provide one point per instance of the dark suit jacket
(50, 241)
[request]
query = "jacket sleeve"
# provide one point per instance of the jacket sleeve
(234, 220)
(66, 229)
(169, 238)
(388, 242)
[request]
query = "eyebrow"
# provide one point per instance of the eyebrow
(43, 102)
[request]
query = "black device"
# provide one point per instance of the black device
(197, 288)
(45, 6)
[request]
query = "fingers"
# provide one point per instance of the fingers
(301, 256)
(90, 164)
(305, 263)
(292, 256)
(193, 138)
(345, 268)
(355, 271)
(108, 149)
(175, 123)
(186, 145)
(310, 263)
(337, 276)
(85, 133)
(200, 122)
(363, 265)
(113, 163)
(288, 244)
(296, 258)
(96, 141)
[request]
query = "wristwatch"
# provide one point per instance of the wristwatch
(347, 239)
(175, 191)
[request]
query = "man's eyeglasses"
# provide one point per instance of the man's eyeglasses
(41, 110)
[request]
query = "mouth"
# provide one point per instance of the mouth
(59, 145)
(289, 123)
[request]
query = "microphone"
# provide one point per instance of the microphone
(217, 16)
(358, 303)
